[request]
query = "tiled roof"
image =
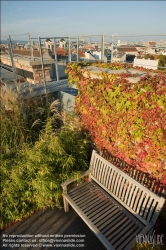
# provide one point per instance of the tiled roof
(127, 49)
(36, 53)
(152, 43)
(64, 52)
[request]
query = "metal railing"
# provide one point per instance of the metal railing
(102, 40)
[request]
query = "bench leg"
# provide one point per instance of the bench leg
(66, 205)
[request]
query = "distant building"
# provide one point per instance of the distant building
(119, 56)
(146, 63)
(128, 50)
(120, 43)
(153, 44)
(97, 55)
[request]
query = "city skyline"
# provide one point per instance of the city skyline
(83, 18)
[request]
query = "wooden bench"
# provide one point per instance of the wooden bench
(114, 206)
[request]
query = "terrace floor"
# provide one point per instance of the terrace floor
(53, 222)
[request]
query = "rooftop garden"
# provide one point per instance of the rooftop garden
(119, 109)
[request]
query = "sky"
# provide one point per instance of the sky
(82, 18)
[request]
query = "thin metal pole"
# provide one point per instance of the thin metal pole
(31, 47)
(15, 74)
(56, 60)
(44, 78)
(102, 50)
(112, 49)
(77, 47)
(69, 49)
(12, 61)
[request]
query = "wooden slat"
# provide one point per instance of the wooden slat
(143, 205)
(98, 169)
(116, 235)
(121, 188)
(107, 171)
(82, 193)
(101, 173)
(113, 181)
(123, 193)
(94, 166)
(128, 232)
(105, 211)
(93, 206)
(140, 202)
(77, 188)
(114, 218)
(131, 194)
(89, 199)
(108, 180)
(138, 196)
(117, 227)
(100, 212)
(129, 186)
(82, 189)
(151, 210)
(148, 207)
(105, 221)
(117, 183)
(133, 197)
(129, 238)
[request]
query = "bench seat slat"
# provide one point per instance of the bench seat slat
(92, 207)
(109, 217)
(116, 227)
(126, 240)
(116, 214)
(79, 192)
(76, 188)
(110, 221)
(97, 213)
(114, 236)
(86, 198)
(84, 194)
(106, 211)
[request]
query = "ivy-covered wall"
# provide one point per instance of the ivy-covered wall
(127, 119)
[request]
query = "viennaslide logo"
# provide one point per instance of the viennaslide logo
(153, 239)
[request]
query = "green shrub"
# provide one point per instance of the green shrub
(32, 180)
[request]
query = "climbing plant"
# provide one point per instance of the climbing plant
(127, 119)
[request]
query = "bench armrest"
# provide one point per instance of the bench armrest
(67, 182)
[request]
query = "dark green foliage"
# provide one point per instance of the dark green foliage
(33, 179)
(37, 155)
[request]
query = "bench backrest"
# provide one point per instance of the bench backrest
(140, 201)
